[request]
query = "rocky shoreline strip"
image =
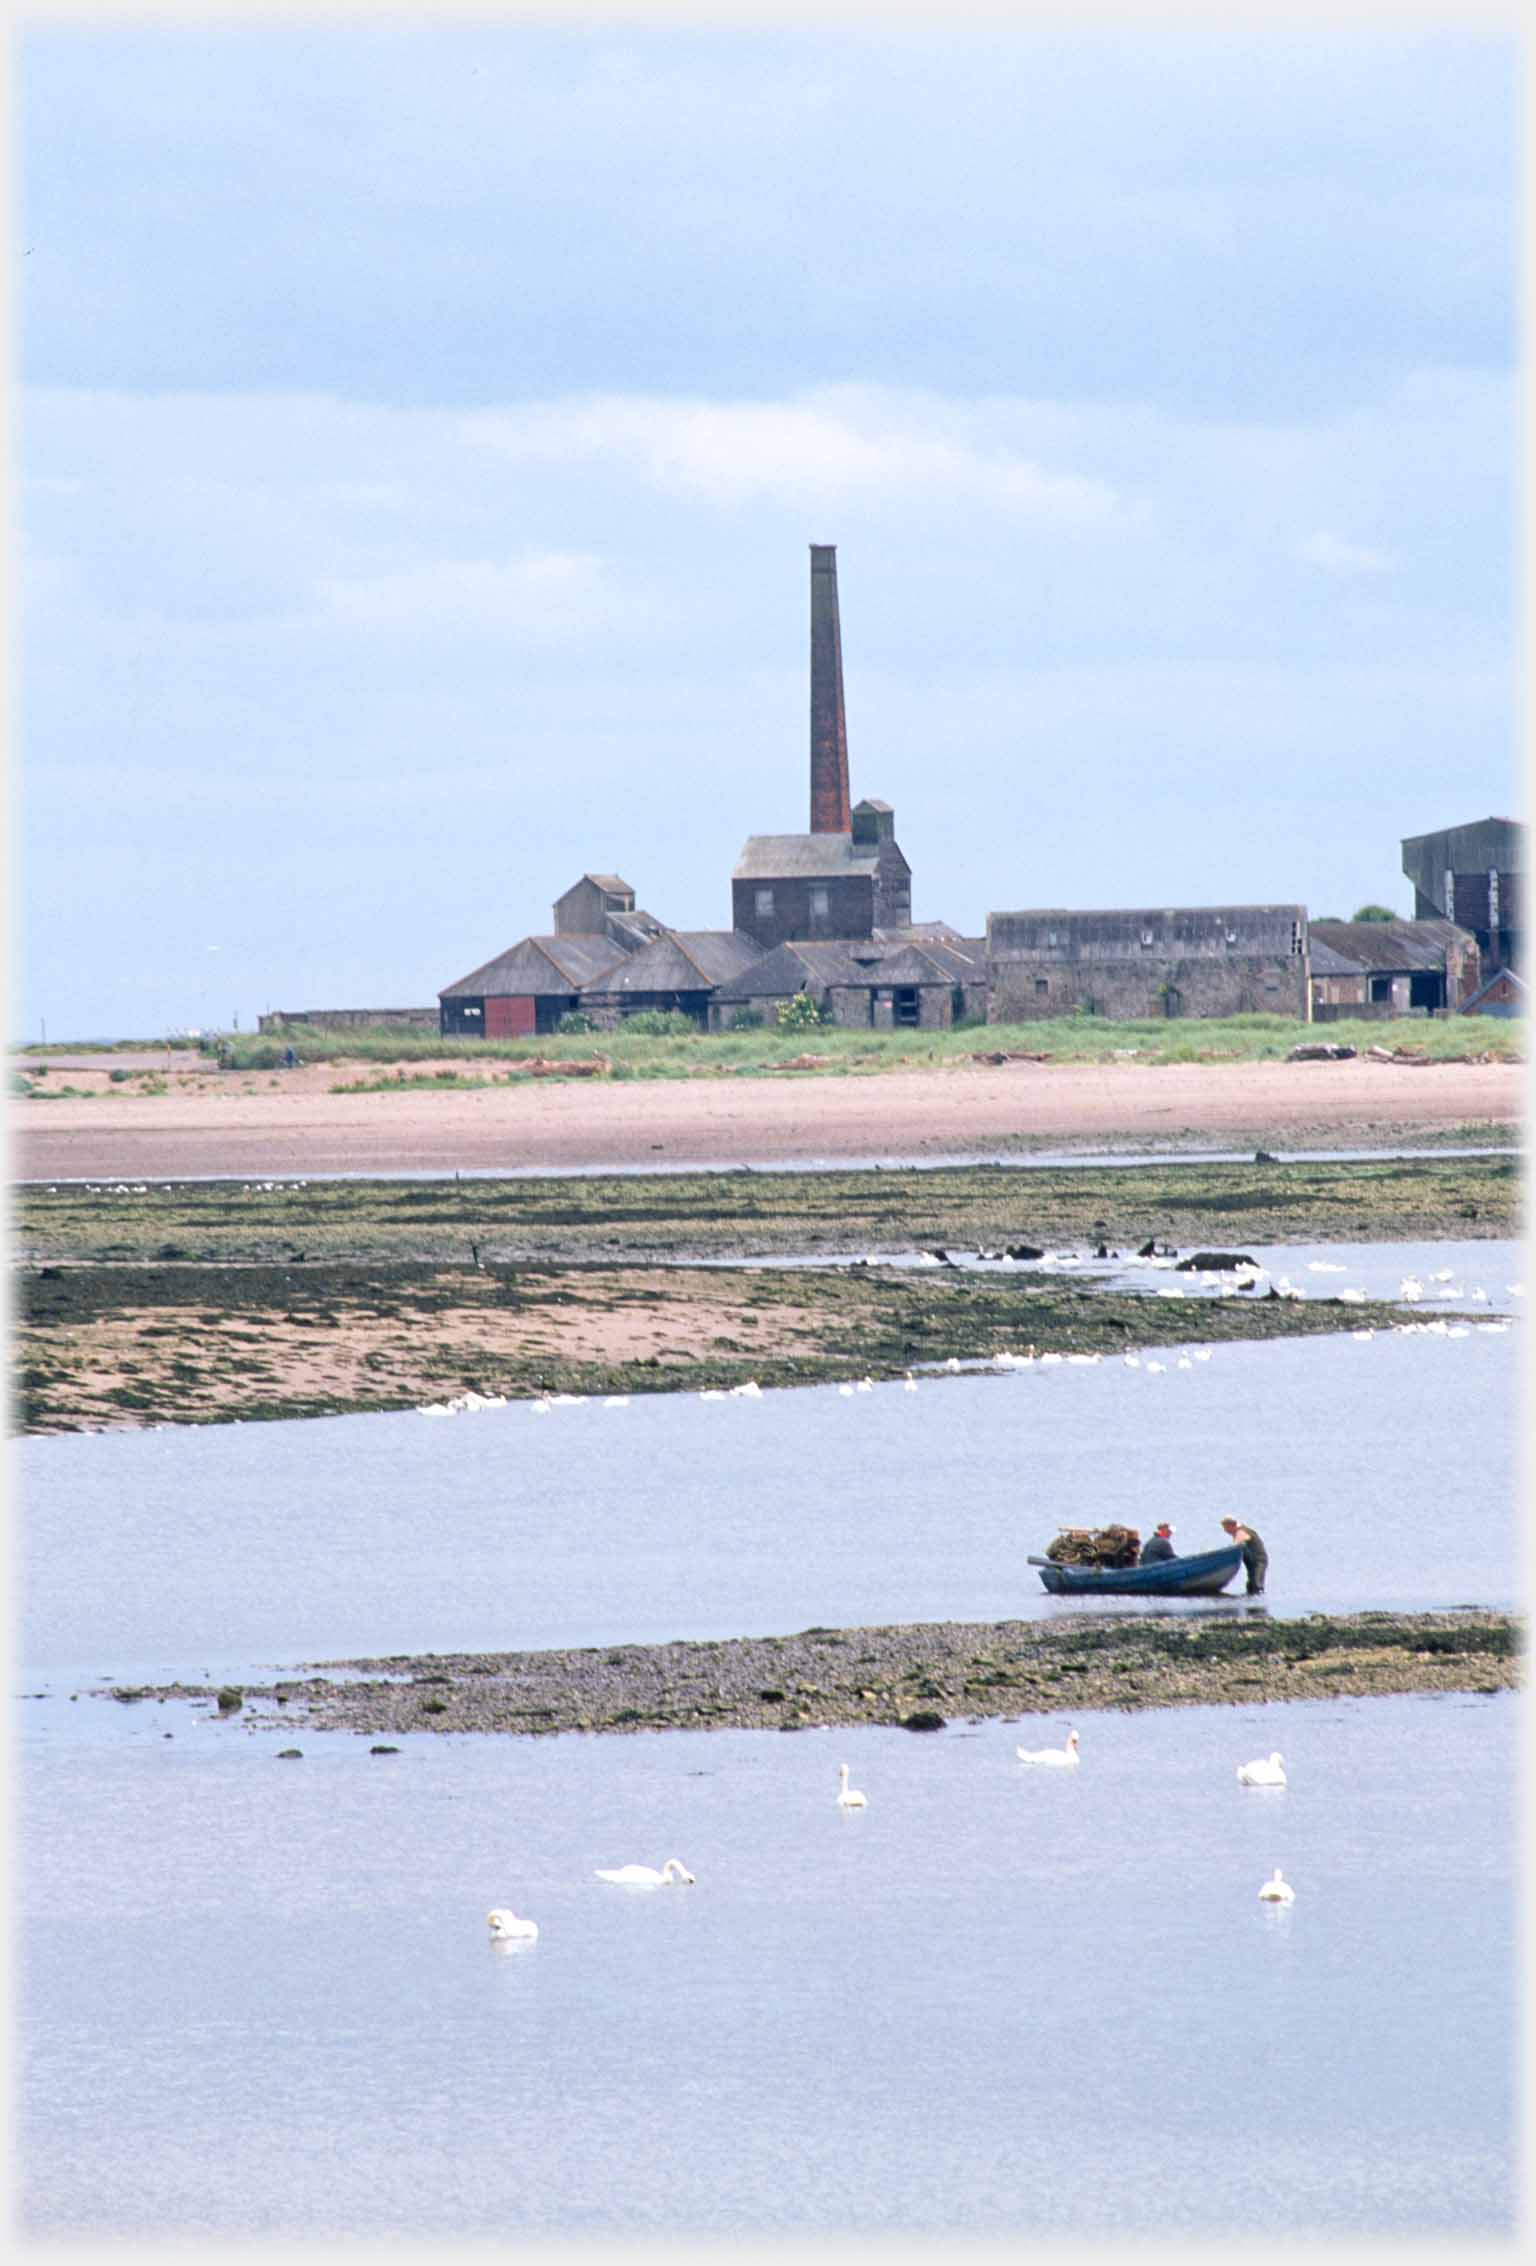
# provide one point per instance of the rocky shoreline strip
(919, 1676)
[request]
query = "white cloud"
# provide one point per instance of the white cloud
(812, 452)
(1338, 556)
(548, 595)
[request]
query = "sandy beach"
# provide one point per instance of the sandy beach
(207, 1124)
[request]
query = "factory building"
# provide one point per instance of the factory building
(1473, 876)
(1165, 961)
(1391, 967)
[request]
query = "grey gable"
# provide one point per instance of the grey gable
(679, 960)
(539, 965)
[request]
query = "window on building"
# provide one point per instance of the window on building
(1147, 939)
(764, 901)
(1042, 983)
(1296, 937)
(819, 904)
(1231, 935)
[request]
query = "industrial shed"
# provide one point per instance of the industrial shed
(1165, 961)
(677, 969)
(525, 990)
(876, 983)
(1392, 967)
(1473, 875)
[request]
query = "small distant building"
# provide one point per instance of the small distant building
(907, 981)
(813, 886)
(1166, 961)
(600, 904)
(1473, 876)
(1502, 994)
(1391, 967)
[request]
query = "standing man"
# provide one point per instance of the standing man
(1255, 1556)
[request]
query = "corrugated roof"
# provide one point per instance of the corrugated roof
(1326, 962)
(1393, 946)
(681, 960)
(538, 965)
(786, 857)
(815, 964)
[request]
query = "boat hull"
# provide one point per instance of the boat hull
(1202, 1576)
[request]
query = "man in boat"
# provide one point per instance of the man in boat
(1159, 1544)
(1255, 1556)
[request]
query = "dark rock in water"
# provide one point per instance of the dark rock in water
(1024, 1251)
(1262, 1156)
(1152, 1249)
(230, 1700)
(1207, 1262)
(290, 1754)
(383, 1750)
(923, 1720)
(943, 1258)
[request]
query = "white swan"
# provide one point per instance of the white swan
(1262, 1773)
(1277, 1890)
(617, 1400)
(848, 1797)
(646, 1876)
(909, 1383)
(506, 1927)
(1062, 1756)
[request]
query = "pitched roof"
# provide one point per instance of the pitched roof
(680, 960)
(536, 966)
(1326, 962)
(819, 964)
(788, 857)
(1499, 976)
(1387, 945)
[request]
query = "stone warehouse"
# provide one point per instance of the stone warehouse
(1185, 960)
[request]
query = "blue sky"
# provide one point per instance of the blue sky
(424, 424)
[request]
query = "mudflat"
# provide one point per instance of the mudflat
(306, 1121)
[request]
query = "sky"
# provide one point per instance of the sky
(423, 424)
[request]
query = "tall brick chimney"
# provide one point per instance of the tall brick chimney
(830, 813)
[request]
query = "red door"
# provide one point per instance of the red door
(509, 1018)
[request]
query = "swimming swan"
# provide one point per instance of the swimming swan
(1271, 1773)
(848, 1797)
(1277, 1891)
(1059, 1755)
(646, 1876)
(506, 1927)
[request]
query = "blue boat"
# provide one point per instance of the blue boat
(1201, 1576)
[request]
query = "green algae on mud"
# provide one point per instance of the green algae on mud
(205, 1302)
(747, 1213)
(203, 1340)
(918, 1675)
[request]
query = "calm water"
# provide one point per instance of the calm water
(1380, 1474)
(256, 1996)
